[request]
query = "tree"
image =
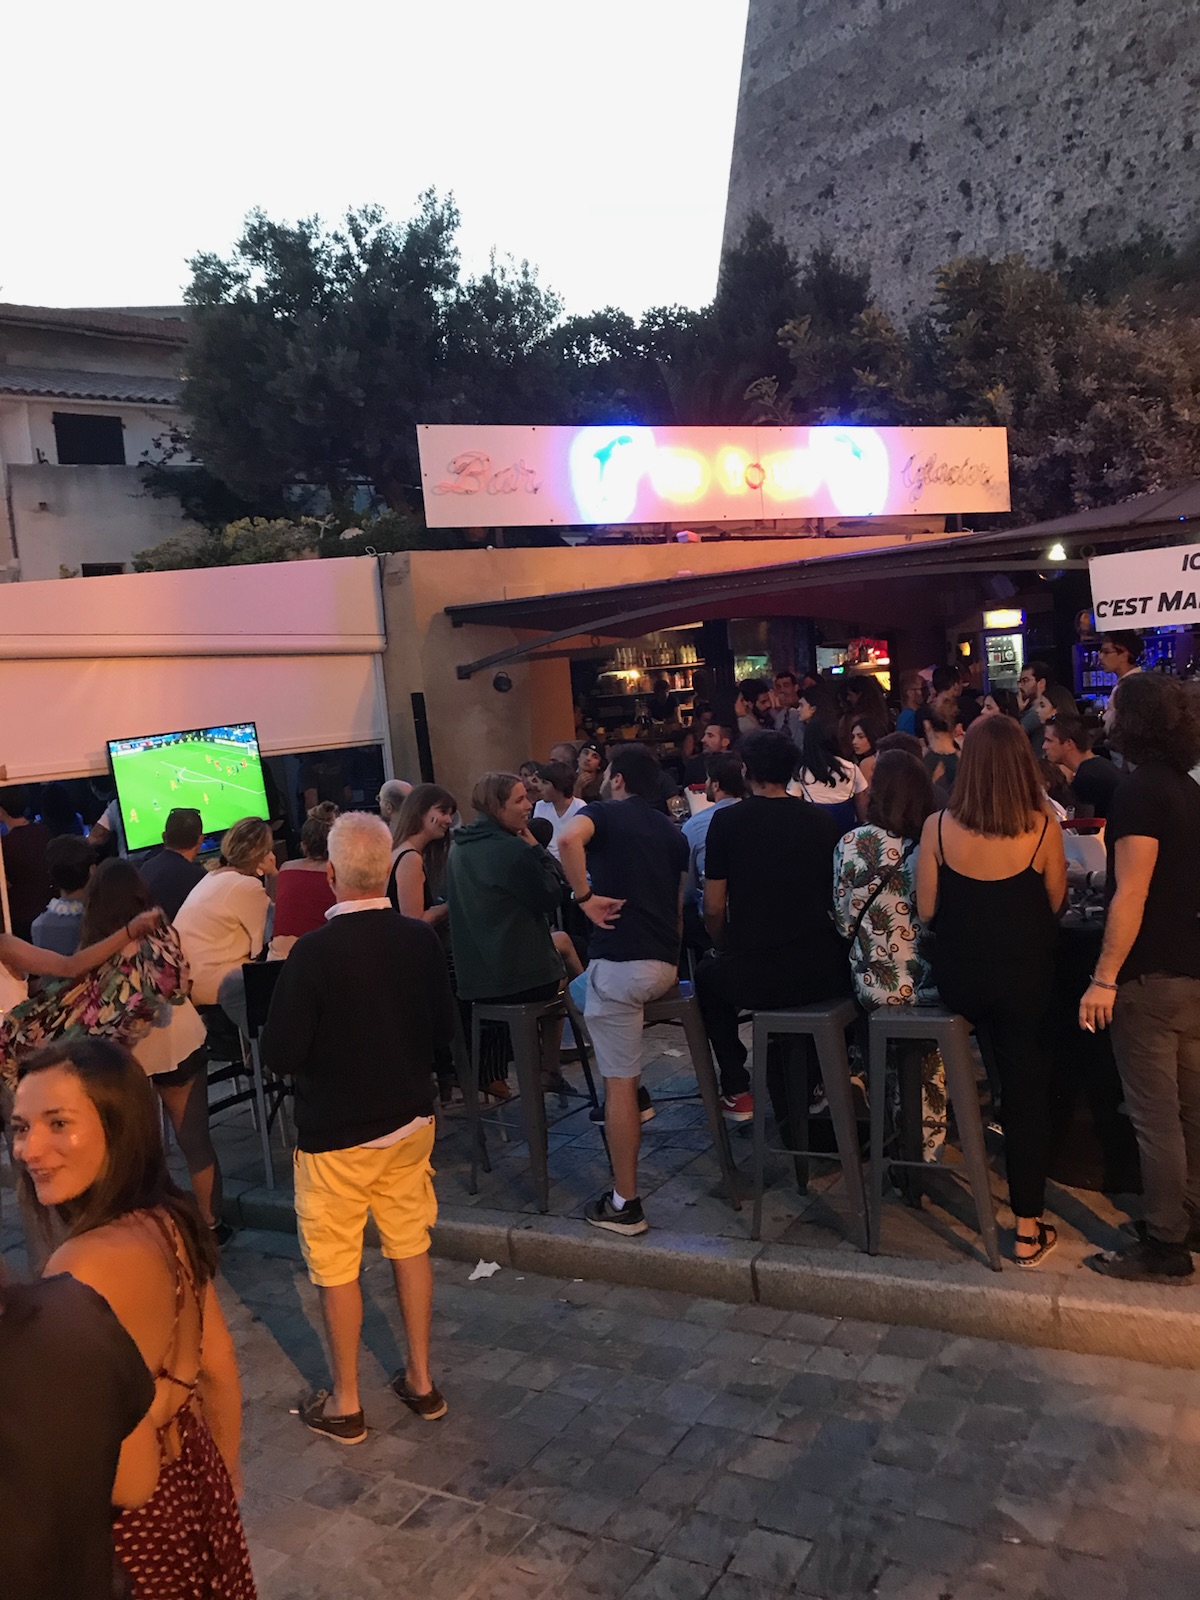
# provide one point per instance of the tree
(1099, 405)
(316, 352)
(1101, 401)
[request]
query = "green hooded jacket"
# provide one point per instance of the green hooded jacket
(501, 892)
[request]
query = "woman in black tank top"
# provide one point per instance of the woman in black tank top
(996, 933)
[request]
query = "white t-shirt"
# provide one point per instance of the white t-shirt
(849, 782)
(220, 925)
(545, 808)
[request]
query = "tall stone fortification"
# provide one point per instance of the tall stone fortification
(906, 132)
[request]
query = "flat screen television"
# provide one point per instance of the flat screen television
(218, 771)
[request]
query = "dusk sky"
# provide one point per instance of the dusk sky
(592, 139)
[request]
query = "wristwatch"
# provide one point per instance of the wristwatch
(582, 899)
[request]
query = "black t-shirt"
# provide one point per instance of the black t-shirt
(171, 878)
(639, 856)
(776, 858)
(1156, 802)
(73, 1386)
(1094, 784)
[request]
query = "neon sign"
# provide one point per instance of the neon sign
(508, 476)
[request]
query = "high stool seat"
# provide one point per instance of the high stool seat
(952, 1035)
(825, 1024)
(680, 1005)
(523, 1022)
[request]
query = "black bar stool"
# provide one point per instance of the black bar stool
(524, 1023)
(952, 1035)
(680, 1005)
(825, 1025)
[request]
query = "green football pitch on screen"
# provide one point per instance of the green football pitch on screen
(221, 779)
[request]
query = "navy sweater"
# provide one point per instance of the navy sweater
(359, 1008)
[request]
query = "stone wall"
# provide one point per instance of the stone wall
(906, 132)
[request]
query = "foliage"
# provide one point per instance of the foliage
(244, 543)
(1101, 401)
(173, 473)
(315, 352)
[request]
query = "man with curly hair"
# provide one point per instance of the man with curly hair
(1147, 980)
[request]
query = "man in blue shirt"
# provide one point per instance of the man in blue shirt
(70, 862)
(725, 787)
(636, 859)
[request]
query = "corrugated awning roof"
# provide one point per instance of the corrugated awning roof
(48, 382)
(662, 602)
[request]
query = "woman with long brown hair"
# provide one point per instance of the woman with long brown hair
(87, 1142)
(993, 871)
(422, 836)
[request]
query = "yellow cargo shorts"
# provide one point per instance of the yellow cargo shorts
(337, 1189)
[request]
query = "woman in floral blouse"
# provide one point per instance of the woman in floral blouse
(886, 960)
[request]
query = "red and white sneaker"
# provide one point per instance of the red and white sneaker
(738, 1107)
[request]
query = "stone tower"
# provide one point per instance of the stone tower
(906, 132)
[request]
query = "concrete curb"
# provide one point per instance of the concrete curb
(1065, 1311)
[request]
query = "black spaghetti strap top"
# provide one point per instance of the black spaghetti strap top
(393, 893)
(994, 923)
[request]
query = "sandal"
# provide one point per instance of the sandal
(1045, 1239)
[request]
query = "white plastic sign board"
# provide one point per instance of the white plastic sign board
(1146, 588)
(481, 477)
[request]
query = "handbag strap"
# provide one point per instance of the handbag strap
(886, 877)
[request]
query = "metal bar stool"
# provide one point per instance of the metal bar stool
(680, 1005)
(951, 1034)
(524, 1023)
(826, 1026)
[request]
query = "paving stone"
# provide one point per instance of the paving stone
(668, 1578)
(706, 1539)
(817, 1457)
(644, 1526)
(605, 1573)
(773, 1558)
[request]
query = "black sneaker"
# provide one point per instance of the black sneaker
(429, 1406)
(645, 1108)
(343, 1430)
(631, 1219)
(1148, 1261)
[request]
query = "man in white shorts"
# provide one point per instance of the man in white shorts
(636, 859)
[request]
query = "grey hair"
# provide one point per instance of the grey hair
(360, 849)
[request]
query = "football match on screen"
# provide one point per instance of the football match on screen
(215, 770)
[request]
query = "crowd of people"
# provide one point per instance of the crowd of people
(836, 845)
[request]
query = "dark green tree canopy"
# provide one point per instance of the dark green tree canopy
(316, 351)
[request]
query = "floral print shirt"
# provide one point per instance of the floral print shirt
(887, 968)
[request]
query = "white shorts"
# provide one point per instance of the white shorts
(616, 993)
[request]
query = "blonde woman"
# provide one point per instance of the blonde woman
(223, 922)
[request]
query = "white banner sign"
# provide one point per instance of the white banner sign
(1146, 588)
(482, 477)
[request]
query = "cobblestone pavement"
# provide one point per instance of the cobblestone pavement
(606, 1442)
(680, 1181)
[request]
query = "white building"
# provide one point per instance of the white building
(83, 396)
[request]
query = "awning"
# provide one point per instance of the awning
(636, 608)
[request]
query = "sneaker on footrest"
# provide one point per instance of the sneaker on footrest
(738, 1107)
(645, 1108)
(630, 1219)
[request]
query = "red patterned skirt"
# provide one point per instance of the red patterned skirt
(186, 1542)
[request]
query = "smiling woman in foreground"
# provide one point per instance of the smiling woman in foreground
(87, 1141)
